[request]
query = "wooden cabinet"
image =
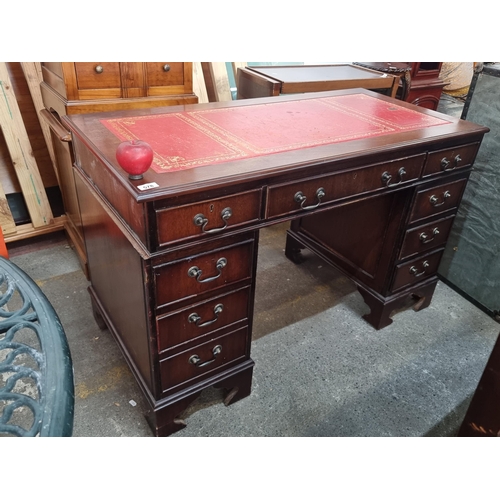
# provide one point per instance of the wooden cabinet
(426, 86)
(420, 83)
(88, 87)
(87, 81)
(173, 257)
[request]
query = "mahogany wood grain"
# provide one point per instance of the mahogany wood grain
(176, 329)
(426, 237)
(370, 178)
(177, 370)
(178, 223)
(237, 267)
(369, 227)
(447, 196)
(416, 270)
(451, 159)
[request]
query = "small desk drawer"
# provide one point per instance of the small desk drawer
(314, 192)
(438, 199)
(203, 273)
(450, 159)
(416, 270)
(202, 318)
(210, 217)
(426, 237)
(203, 360)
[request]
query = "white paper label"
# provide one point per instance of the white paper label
(145, 187)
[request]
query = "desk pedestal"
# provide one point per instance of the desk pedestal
(361, 239)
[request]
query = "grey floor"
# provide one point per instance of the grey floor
(321, 370)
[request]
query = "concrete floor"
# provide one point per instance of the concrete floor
(321, 370)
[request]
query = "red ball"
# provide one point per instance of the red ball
(135, 157)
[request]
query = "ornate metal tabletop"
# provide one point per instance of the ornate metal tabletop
(36, 370)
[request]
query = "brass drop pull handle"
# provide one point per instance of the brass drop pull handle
(424, 238)
(195, 318)
(195, 359)
(201, 220)
(99, 69)
(414, 269)
(387, 177)
(196, 272)
(299, 197)
(166, 67)
(434, 199)
(445, 163)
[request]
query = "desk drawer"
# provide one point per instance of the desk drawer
(202, 318)
(202, 273)
(446, 160)
(416, 270)
(210, 217)
(311, 193)
(204, 359)
(426, 237)
(438, 199)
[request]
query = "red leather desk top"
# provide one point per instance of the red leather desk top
(188, 139)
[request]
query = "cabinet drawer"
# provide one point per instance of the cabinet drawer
(159, 74)
(416, 270)
(426, 237)
(98, 76)
(446, 160)
(202, 273)
(310, 193)
(438, 199)
(204, 359)
(210, 217)
(202, 318)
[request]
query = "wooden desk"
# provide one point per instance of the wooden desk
(267, 81)
(370, 184)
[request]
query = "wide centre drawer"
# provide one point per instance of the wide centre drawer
(204, 359)
(314, 192)
(210, 217)
(202, 318)
(437, 199)
(449, 159)
(202, 273)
